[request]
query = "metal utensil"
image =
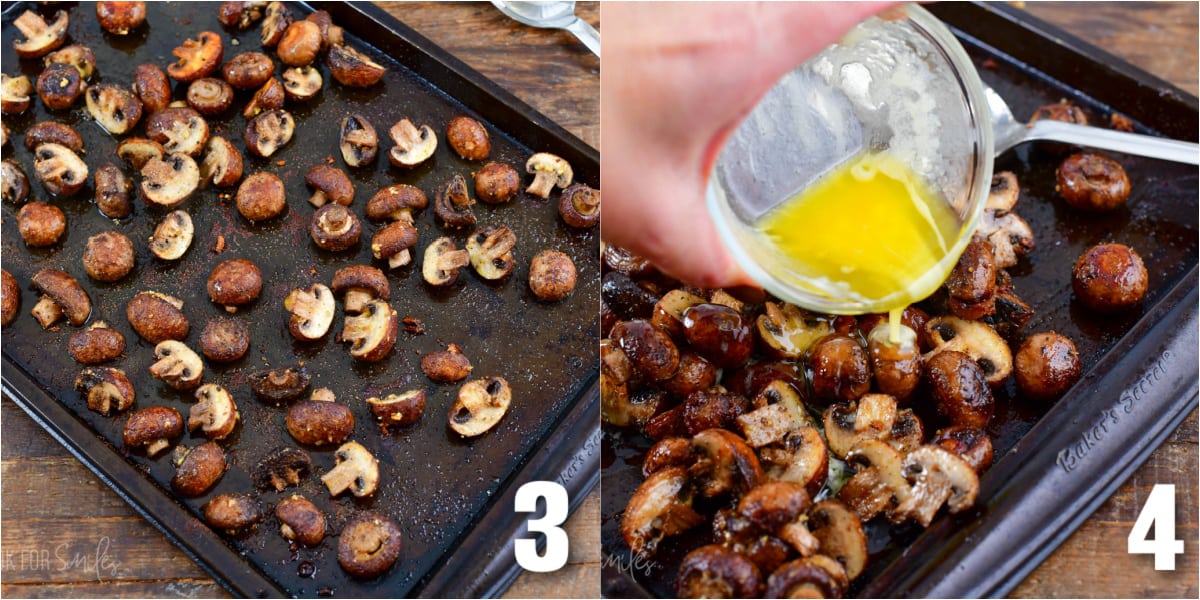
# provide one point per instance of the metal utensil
(1009, 132)
(552, 15)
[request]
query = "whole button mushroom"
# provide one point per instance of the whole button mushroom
(119, 18)
(331, 35)
(59, 169)
(233, 513)
(113, 192)
(61, 296)
(14, 94)
(235, 282)
(714, 571)
(98, 343)
(311, 312)
(480, 405)
(1091, 182)
(10, 297)
(248, 70)
(335, 228)
(168, 181)
(280, 468)
(214, 413)
(261, 196)
(551, 275)
(718, 333)
(959, 389)
(198, 57)
(13, 183)
(400, 410)
(115, 108)
(579, 206)
(224, 339)
(157, 317)
(442, 261)
(368, 546)
(497, 182)
(968, 443)
(302, 83)
(222, 164)
(108, 256)
(413, 145)
(358, 141)
(269, 132)
(446, 366)
(392, 243)
(177, 365)
(300, 43)
(371, 333)
(199, 469)
(59, 86)
(152, 428)
(173, 236)
(355, 470)
(240, 15)
(107, 389)
(1109, 278)
(151, 85)
(300, 520)
(548, 171)
(895, 365)
(841, 368)
(320, 421)
(351, 68)
(978, 340)
(397, 203)
(330, 184)
(652, 353)
(53, 132)
(468, 138)
(1047, 365)
(41, 224)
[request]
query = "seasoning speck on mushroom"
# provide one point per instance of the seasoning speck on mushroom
(402, 409)
(468, 138)
(41, 224)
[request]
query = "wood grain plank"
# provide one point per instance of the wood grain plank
(172, 588)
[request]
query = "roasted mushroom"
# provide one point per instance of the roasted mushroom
(972, 282)
(358, 141)
(53, 132)
(446, 366)
(235, 282)
(787, 331)
(198, 57)
(331, 35)
(78, 56)
(276, 20)
(311, 311)
(40, 37)
(15, 93)
(1047, 365)
(41, 224)
(352, 68)
(198, 469)
(177, 365)
(300, 43)
(10, 297)
(113, 192)
(108, 256)
(269, 132)
(896, 365)
(224, 339)
(937, 477)
(280, 468)
(168, 181)
(720, 334)
(490, 249)
(497, 183)
(968, 443)
(871, 417)
(392, 243)
(240, 15)
(151, 85)
(816, 576)
(157, 317)
(107, 390)
(209, 96)
(468, 138)
(714, 571)
(668, 311)
(652, 353)
(138, 151)
(268, 97)
(396, 202)
(579, 206)
(959, 389)
(551, 275)
(878, 485)
(152, 428)
(480, 405)
(61, 296)
(413, 145)
(371, 333)
(60, 170)
(724, 464)
(119, 18)
(172, 236)
(401, 409)
(300, 520)
(59, 86)
(302, 83)
(368, 546)
(261, 196)
(978, 340)
(330, 184)
(1061, 111)
(356, 470)
(233, 513)
(452, 203)
(1109, 278)
(13, 182)
(214, 412)
(661, 507)
(319, 422)
(548, 171)
(360, 284)
(222, 164)
(115, 108)
(248, 70)
(442, 262)
(335, 228)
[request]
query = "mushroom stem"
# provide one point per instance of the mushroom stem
(543, 183)
(797, 534)
(47, 312)
(357, 299)
(400, 259)
(318, 199)
(156, 446)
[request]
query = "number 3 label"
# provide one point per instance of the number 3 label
(556, 539)
(1159, 512)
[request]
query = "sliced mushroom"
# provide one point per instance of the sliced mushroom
(270, 96)
(817, 576)
(302, 83)
(215, 413)
(41, 224)
(396, 202)
(907, 432)
(725, 464)
(938, 477)
(115, 108)
(616, 372)
(311, 311)
(152, 428)
(360, 284)
(772, 422)
(107, 389)
(871, 417)
(356, 470)
(240, 15)
(669, 309)
(661, 507)
(61, 296)
(878, 484)
(269, 132)
(714, 571)
(78, 56)
(452, 203)
(371, 333)
(53, 132)
(800, 457)
(358, 142)
(480, 405)
(113, 192)
(490, 248)
(248, 70)
(497, 182)
(10, 297)
(222, 164)
(210, 96)
(968, 443)
(167, 182)
(138, 151)
(198, 57)
(442, 261)
(468, 138)
(233, 513)
(1010, 235)
(978, 340)
(401, 409)
(119, 18)
(157, 317)
(280, 468)
(13, 182)
(300, 520)
(335, 228)
(281, 384)
(40, 37)
(352, 68)
(275, 22)
(548, 171)
(330, 184)
(59, 86)
(840, 534)
(446, 366)
(59, 169)
(579, 206)
(788, 331)
(413, 145)
(368, 546)
(199, 469)
(15, 93)
(151, 85)
(177, 365)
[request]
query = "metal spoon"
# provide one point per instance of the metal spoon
(552, 15)
(1009, 132)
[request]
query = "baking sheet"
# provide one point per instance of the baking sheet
(438, 488)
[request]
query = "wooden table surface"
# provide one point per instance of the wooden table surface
(63, 533)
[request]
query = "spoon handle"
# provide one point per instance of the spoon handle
(1119, 141)
(586, 34)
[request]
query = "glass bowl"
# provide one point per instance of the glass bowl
(898, 83)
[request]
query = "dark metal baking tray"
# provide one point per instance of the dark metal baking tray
(1055, 464)
(452, 498)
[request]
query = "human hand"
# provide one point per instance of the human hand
(678, 79)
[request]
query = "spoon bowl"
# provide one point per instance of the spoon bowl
(551, 15)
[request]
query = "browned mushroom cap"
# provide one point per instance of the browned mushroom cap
(177, 365)
(551, 275)
(167, 182)
(413, 145)
(157, 317)
(59, 86)
(233, 513)
(358, 142)
(959, 389)
(280, 468)
(331, 184)
(396, 202)
(579, 206)
(222, 164)
(392, 243)
(878, 484)
(360, 284)
(977, 340)
(302, 83)
(840, 535)
(442, 261)
(318, 423)
(331, 35)
(816, 576)
(800, 457)
(152, 428)
(40, 37)
(200, 469)
(311, 311)
(1047, 365)
(972, 282)
(234, 283)
(113, 196)
(1092, 182)
(497, 182)
(371, 333)
(268, 97)
(138, 151)
(480, 405)
(119, 18)
(841, 368)
(938, 477)
(896, 366)
(61, 296)
(269, 132)
(468, 138)
(335, 228)
(300, 520)
(1060, 111)
(60, 170)
(661, 507)
(669, 309)
(616, 374)
(275, 22)
(53, 132)
(300, 43)
(151, 85)
(352, 68)
(771, 422)
(446, 366)
(75, 55)
(369, 545)
(107, 389)
(772, 505)
(108, 256)
(707, 409)
(401, 409)
(968, 443)
(224, 339)
(668, 452)
(248, 70)
(870, 418)
(356, 469)
(788, 331)
(1109, 278)
(652, 353)
(10, 297)
(115, 108)
(548, 171)
(198, 57)
(209, 96)
(718, 333)
(215, 413)
(41, 224)
(714, 571)
(261, 196)
(452, 203)
(240, 15)
(725, 463)
(14, 94)
(13, 182)
(490, 248)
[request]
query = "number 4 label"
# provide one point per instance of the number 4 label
(1158, 512)
(557, 508)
